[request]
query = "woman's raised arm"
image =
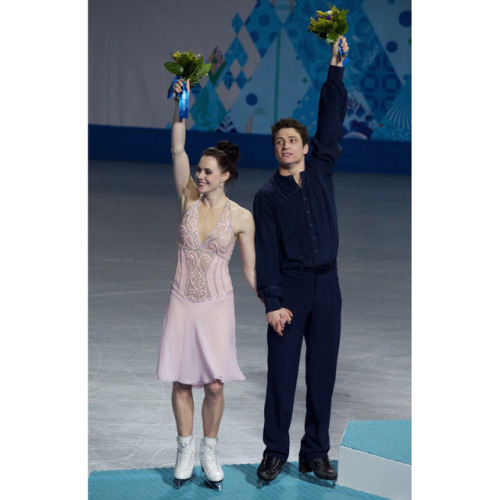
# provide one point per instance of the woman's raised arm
(186, 188)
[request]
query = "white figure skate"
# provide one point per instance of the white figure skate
(209, 459)
(186, 455)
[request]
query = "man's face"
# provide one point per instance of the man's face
(288, 147)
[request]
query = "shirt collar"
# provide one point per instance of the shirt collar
(288, 182)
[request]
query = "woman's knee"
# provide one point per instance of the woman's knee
(182, 390)
(214, 389)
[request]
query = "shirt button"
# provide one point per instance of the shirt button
(314, 237)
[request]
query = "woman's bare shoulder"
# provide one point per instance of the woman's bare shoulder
(242, 218)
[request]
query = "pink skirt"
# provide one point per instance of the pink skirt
(198, 344)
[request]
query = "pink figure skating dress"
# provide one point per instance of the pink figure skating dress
(198, 344)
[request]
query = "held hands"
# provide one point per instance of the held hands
(336, 59)
(279, 318)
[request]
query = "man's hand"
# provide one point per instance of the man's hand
(336, 60)
(277, 319)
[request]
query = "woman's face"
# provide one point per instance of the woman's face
(209, 175)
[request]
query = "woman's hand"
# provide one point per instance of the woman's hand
(279, 318)
(178, 87)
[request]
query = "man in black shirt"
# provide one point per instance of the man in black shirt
(296, 243)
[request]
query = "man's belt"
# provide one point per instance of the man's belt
(320, 269)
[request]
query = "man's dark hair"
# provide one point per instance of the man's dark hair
(290, 123)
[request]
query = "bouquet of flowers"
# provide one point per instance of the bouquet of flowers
(187, 66)
(329, 25)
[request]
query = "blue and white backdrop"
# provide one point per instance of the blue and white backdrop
(266, 65)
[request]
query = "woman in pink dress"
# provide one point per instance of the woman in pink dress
(198, 342)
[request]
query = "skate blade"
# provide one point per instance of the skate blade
(216, 485)
(322, 478)
(262, 482)
(178, 483)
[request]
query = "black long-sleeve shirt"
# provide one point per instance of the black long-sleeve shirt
(298, 226)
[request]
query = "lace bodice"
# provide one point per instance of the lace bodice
(202, 267)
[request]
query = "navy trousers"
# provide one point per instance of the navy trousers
(315, 302)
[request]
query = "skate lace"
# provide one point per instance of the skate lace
(211, 454)
(184, 454)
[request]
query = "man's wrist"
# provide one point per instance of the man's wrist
(335, 72)
(272, 304)
(336, 61)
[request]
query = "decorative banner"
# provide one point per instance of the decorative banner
(262, 38)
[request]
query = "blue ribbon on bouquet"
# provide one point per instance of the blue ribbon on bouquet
(183, 97)
(342, 54)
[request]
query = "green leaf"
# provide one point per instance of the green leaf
(332, 37)
(188, 69)
(189, 66)
(205, 68)
(342, 27)
(174, 68)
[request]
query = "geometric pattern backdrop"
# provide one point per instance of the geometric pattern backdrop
(265, 64)
(274, 67)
